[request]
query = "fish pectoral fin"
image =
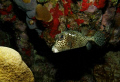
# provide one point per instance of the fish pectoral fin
(88, 45)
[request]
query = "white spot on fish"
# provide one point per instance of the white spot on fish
(71, 34)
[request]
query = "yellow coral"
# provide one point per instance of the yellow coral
(12, 68)
(26, 1)
(42, 13)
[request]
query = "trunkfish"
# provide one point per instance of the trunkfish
(70, 39)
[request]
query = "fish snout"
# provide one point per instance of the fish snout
(54, 49)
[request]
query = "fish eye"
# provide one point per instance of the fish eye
(61, 36)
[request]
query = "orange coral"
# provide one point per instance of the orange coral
(79, 21)
(54, 29)
(67, 7)
(99, 4)
(85, 5)
(68, 25)
(42, 13)
(55, 22)
(26, 1)
(118, 10)
(55, 10)
(6, 11)
(27, 51)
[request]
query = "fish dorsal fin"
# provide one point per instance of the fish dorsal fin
(90, 38)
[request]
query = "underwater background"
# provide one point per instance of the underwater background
(64, 40)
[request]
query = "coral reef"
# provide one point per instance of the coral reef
(29, 8)
(6, 12)
(110, 70)
(24, 47)
(4, 39)
(107, 19)
(69, 24)
(100, 4)
(42, 70)
(48, 39)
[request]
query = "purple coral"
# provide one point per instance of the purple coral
(31, 13)
(24, 36)
(91, 9)
(107, 18)
(26, 6)
(20, 25)
(1, 6)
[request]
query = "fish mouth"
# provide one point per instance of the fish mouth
(55, 50)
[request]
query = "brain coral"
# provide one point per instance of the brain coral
(12, 68)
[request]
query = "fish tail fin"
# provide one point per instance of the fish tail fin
(99, 38)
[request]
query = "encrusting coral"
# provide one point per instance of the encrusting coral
(6, 11)
(110, 70)
(42, 13)
(26, 1)
(26, 6)
(12, 68)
